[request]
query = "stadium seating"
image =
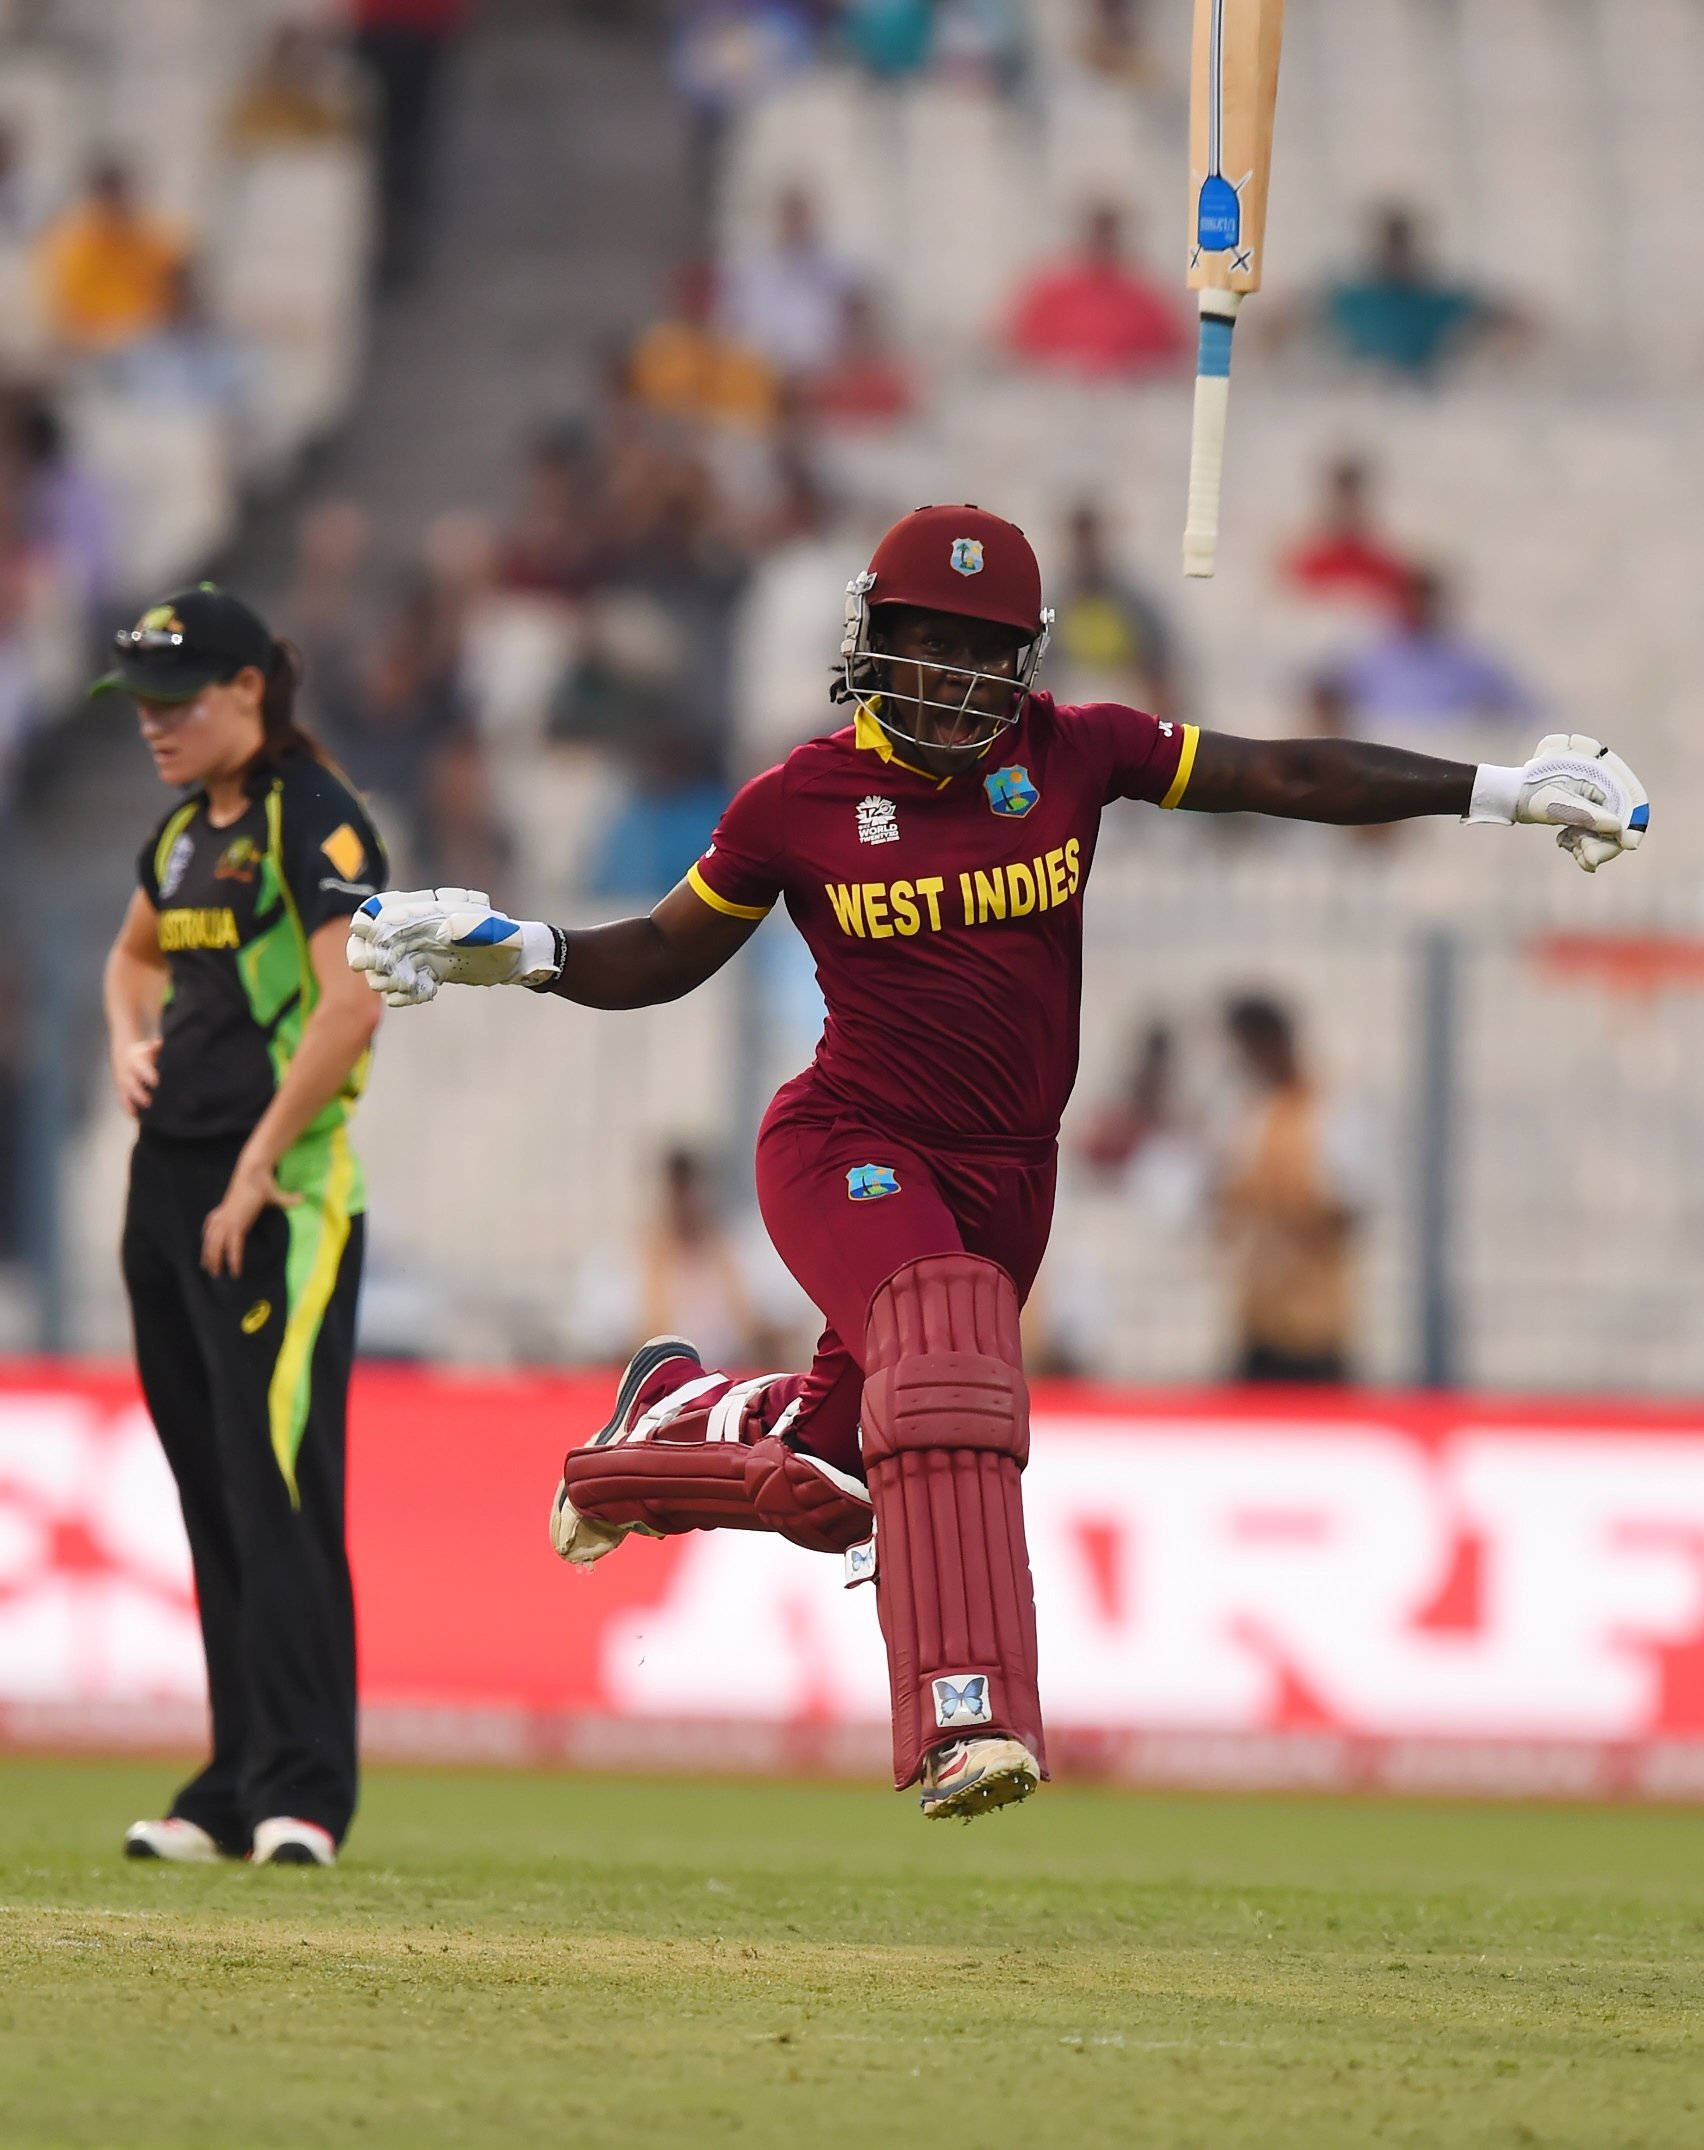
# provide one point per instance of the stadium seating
(1552, 163)
(285, 237)
(289, 271)
(1539, 141)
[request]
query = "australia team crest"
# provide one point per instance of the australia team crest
(1011, 793)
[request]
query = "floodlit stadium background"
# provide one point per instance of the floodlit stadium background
(1516, 1045)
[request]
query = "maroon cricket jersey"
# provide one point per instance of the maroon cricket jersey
(945, 914)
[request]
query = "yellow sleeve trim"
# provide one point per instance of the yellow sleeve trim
(1185, 764)
(701, 887)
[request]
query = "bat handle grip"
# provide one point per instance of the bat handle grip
(1207, 435)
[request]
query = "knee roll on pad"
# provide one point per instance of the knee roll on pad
(806, 1500)
(946, 1436)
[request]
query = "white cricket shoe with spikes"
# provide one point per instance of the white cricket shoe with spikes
(974, 1776)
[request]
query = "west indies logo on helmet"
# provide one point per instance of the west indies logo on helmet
(965, 563)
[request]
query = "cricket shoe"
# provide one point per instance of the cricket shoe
(183, 1843)
(641, 1394)
(284, 1840)
(974, 1776)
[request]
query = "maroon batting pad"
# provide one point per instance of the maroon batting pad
(946, 1435)
(668, 1486)
(673, 1485)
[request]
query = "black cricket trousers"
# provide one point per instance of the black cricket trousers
(247, 1381)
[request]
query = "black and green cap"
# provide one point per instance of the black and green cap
(185, 643)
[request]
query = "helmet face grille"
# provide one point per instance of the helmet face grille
(895, 707)
(970, 565)
(867, 677)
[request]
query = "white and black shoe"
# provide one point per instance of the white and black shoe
(284, 1840)
(647, 1360)
(974, 1776)
(171, 1838)
(579, 1539)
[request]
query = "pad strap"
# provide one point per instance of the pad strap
(946, 1436)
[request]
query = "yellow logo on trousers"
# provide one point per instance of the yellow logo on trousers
(257, 1317)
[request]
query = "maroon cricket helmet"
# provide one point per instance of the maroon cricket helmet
(958, 560)
(961, 560)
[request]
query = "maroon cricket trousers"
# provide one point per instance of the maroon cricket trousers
(843, 1230)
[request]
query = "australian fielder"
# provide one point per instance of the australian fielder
(934, 854)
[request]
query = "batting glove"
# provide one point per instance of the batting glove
(1575, 785)
(410, 942)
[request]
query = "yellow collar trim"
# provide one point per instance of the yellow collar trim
(868, 734)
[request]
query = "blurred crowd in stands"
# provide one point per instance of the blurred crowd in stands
(181, 313)
(125, 324)
(556, 696)
(1252, 1144)
(682, 545)
(703, 506)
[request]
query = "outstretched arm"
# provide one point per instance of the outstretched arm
(639, 961)
(1571, 783)
(1336, 780)
(409, 944)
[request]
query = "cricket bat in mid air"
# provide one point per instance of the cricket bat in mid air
(1233, 87)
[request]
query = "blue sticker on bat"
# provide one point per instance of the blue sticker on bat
(1218, 216)
(1213, 355)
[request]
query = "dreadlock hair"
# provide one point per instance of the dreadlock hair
(863, 686)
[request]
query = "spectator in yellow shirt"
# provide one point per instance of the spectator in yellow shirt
(686, 366)
(108, 267)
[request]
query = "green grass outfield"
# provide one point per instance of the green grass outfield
(515, 1960)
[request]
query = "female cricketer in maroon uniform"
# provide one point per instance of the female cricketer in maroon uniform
(934, 855)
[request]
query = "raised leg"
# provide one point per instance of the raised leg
(689, 1450)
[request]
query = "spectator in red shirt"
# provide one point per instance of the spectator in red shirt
(1344, 556)
(1095, 314)
(866, 382)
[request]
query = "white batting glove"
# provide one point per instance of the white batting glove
(409, 942)
(1574, 785)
